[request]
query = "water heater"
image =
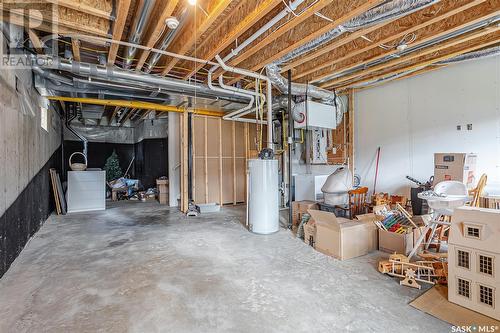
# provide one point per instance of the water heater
(263, 196)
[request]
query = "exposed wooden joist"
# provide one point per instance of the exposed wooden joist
(122, 9)
(336, 22)
(289, 25)
(252, 18)
(425, 36)
(491, 41)
(387, 26)
(75, 45)
(82, 8)
(421, 42)
(37, 16)
(156, 31)
(189, 37)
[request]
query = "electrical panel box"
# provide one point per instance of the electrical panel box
(316, 115)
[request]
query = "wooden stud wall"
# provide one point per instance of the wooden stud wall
(220, 152)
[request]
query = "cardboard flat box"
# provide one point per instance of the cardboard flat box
(455, 166)
(342, 238)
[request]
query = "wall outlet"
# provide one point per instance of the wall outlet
(459, 127)
(469, 127)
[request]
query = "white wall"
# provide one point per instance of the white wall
(412, 119)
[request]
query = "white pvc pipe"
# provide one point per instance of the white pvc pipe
(269, 94)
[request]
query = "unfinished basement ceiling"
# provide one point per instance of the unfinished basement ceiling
(335, 45)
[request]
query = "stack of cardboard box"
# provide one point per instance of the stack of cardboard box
(162, 186)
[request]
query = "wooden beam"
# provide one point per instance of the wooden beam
(82, 7)
(289, 48)
(417, 65)
(122, 9)
(411, 56)
(251, 19)
(388, 26)
(350, 134)
(156, 31)
(75, 46)
(414, 55)
(424, 36)
(36, 16)
(113, 115)
(289, 25)
(189, 37)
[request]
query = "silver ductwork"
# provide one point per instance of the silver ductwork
(388, 10)
(169, 37)
(487, 53)
(137, 30)
(477, 55)
(134, 78)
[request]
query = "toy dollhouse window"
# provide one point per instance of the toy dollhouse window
(463, 259)
(486, 295)
(486, 265)
(463, 287)
(473, 231)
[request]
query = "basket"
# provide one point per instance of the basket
(78, 166)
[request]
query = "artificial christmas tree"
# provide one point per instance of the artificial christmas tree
(112, 167)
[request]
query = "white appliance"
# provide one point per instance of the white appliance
(86, 191)
(308, 186)
(315, 115)
(263, 196)
(336, 187)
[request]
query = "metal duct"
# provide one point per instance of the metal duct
(487, 53)
(138, 28)
(388, 10)
(169, 36)
(329, 97)
(490, 52)
(133, 77)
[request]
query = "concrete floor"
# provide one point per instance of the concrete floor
(140, 267)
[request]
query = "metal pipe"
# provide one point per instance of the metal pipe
(114, 74)
(167, 40)
(72, 130)
(137, 30)
(133, 104)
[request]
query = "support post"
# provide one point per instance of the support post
(290, 150)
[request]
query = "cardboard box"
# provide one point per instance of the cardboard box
(455, 166)
(162, 182)
(301, 207)
(163, 198)
(342, 238)
(310, 233)
(162, 188)
(392, 242)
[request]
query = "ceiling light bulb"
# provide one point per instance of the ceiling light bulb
(192, 2)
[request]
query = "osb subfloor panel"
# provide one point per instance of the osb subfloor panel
(140, 267)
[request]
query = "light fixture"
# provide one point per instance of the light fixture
(192, 2)
(402, 47)
(172, 22)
